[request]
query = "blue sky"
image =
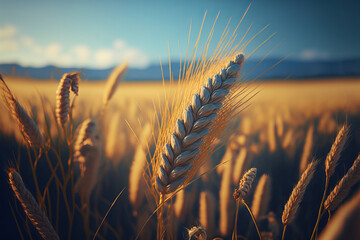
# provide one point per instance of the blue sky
(101, 34)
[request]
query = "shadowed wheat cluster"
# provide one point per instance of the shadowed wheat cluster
(185, 159)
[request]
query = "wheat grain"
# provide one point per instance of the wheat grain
(245, 184)
(185, 144)
(333, 156)
(345, 223)
(292, 205)
(26, 124)
(342, 189)
(262, 196)
(31, 208)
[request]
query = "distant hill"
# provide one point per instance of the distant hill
(287, 69)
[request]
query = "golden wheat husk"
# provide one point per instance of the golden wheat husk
(344, 224)
(262, 196)
(87, 129)
(31, 207)
(333, 156)
(185, 146)
(292, 205)
(197, 233)
(341, 190)
(26, 124)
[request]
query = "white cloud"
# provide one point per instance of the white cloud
(7, 31)
(82, 53)
(119, 44)
(312, 54)
(52, 50)
(104, 58)
(27, 41)
(8, 46)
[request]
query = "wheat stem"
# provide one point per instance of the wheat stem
(253, 218)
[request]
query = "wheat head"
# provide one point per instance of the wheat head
(245, 184)
(87, 129)
(308, 145)
(207, 209)
(342, 189)
(292, 205)
(334, 155)
(185, 144)
(31, 207)
(26, 124)
(68, 80)
(197, 233)
(262, 196)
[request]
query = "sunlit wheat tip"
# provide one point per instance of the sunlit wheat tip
(183, 145)
(334, 155)
(197, 233)
(87, 129)
(342, 189)
(68, 80)
(26, 124)
(31, 208)
(245, 184)
(292, 205)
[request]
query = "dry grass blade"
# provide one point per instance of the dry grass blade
(31, 208)
(342, 189)
(26, 124)
(292, 205)
(116, 75)
(345, 223)
(334, 155)
(178, 160)
(262, 196)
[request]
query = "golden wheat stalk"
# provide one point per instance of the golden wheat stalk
(292, 205)
(245, 184)
(31, 207)
(185, 143)
(26, 124)
(116, 75)
(68, 80)
(342, 189)
(242, 162)
(345, 223)
(136, 181)
(334, 155)
(261, 198)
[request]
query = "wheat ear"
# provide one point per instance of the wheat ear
(31, 208)
(292, 205)
(87, 129)
(345, 223)
(197, 233)
(261, 198)
(308, 145)
(333, 156)
(342, 189)
(245, 184)
(207, 208)
(116, 75)
(183, 145)
(68, 80)
(26, 124)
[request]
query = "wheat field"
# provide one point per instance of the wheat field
(280, 130)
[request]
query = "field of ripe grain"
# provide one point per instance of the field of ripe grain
(285, 126)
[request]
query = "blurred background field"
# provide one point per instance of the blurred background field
(284, 123)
